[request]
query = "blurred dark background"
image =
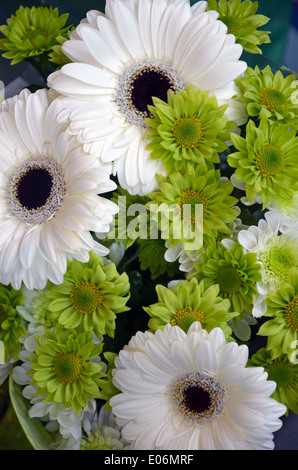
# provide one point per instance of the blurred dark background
(283, 50)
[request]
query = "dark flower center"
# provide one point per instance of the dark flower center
(198, 397)
(149, 83)
(140, 83)
(197, 400)
(34, 188)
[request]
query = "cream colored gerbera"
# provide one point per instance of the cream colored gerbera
(192, 391)
(137, 50)
(49, 190)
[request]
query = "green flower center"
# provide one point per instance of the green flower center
(68, 367)
(192, 198)
(228, 279)
(188, 132)
(291, 314)
(270, 160)
(233, 24)
(272, 98)
(34, 34)
(282, 373)
(278, 259)
(186, 316)
(86, 297)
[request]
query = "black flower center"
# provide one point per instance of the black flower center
(147, 84)
(34, 188)
(198, 397)
(140, 83)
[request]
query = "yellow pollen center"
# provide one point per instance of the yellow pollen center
(68, 367)
(291, 314)
(86, 297)
(272, 98)
(270, 160)
(185, 316)
(188, 202)
(188, 132)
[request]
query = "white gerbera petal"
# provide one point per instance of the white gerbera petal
(230, 398)
(49, 192)
(122, 56)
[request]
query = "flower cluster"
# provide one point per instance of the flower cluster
(148, 228)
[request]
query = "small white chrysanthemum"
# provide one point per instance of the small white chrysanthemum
(49, 190)
(277, 253)
(101, 432)
(137, 50)
(192, 392)
(186, 259)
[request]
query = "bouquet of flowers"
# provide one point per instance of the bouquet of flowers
(148, 229)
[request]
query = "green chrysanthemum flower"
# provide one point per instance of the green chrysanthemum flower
(151, 256)
(282, 329)
(188, 302)
(193, 208)
(279, 255)
(90, 296)
(190, 127)
(234, 271)
(269, 95)
(31, 32)
(130, 222)
(266, 161)
(64, 368)
(56, 55)
(11, 322)
(242, 21)
(283, 372)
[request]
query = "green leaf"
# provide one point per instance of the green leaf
(33, 428)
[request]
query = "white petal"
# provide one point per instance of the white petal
(28, 247)
(205, 358)
(76, 51)
(128, 29)
(90, 75)
(36, 107)
(101, 49)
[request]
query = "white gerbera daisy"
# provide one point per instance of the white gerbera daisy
(49, 190)
(277, 252)
(193, 392)
(136, 50)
